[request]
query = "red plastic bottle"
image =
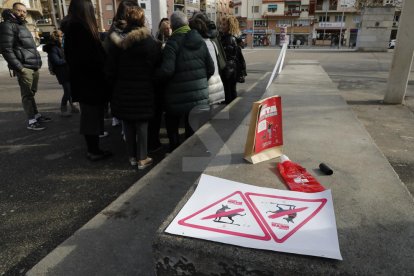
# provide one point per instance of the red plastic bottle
(297, 178)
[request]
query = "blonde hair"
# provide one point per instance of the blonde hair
(233, 25)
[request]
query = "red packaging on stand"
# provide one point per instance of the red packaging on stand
(297, 178)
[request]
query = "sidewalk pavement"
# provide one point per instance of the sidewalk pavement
(374, 211)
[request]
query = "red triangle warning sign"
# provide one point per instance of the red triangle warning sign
(284, 216)
(230, 215)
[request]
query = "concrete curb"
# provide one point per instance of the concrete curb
(374, 211)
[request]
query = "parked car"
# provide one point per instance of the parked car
(391, 44)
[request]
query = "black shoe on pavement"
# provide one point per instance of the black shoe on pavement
(156, 148)
(98, 156)
(36, 126)
(43, 119)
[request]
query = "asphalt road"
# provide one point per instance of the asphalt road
(48, 189)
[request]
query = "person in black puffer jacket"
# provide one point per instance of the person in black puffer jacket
(60, 69)
(230, 75)
(186, 66)
(134, 61)
(19, 50)
(86, 59)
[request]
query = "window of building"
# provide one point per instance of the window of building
(255, 9)
(143, 5)
(338, 18)
(302, 22)
(260, 23)
(356, 19)
(236, 10)
(293, 7)
(109, 7)
(109, 22)
(324, 19)
(272, 8)
(284, 22)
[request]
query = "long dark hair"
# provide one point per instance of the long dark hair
(123, 8)
(83, 11)
(199, 22)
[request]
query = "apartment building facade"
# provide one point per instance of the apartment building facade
(306, 22)
(336, 23)
(261, 20)
(215, 9)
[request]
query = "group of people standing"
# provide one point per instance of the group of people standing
(187, 66)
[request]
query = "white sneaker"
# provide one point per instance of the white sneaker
(142, 164)
(104, 134)
(133, 161)
(115, 122)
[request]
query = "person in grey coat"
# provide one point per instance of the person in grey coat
(186, 67)
(19, 50)
(199, 22)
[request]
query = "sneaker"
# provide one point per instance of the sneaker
(142, 164)
(64, 112)
(115, 122)
(43, 119)
(98, 156)
(133, 161)
(35, 126)
(104, 134)
(74, 109)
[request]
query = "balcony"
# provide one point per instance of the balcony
(293, 13)
(322, 8)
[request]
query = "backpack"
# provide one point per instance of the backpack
(50, 66)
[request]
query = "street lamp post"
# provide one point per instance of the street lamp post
(267, 22)
(253, 25)
(343, 6)
(325, 19)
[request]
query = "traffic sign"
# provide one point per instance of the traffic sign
(229, 212)
(284, 216)
(231, 215)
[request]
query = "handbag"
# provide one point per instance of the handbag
(221, 59)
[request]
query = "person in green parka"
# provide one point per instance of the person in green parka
(186, 67)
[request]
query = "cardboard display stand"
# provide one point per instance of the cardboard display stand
(265, 136)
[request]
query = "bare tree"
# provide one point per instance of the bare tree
(360, 4)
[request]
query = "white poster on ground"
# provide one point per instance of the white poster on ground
(230, 212)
